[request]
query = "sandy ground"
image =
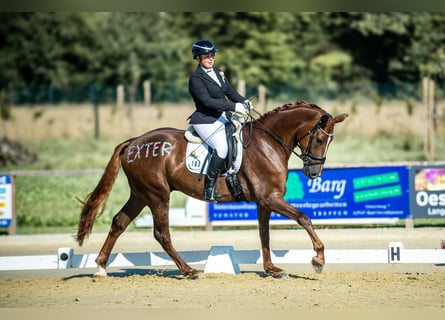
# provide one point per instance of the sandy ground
(367, 286)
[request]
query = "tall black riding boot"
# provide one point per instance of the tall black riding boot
(215, 166)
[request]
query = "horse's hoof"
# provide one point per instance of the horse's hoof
(99, 275)
(194, 275)
(280, 275)
(277, 273)
(317, 265)
(102, 273)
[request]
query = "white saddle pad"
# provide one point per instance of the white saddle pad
(196, 155)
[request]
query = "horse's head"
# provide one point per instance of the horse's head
(315, 142)
(302, 125)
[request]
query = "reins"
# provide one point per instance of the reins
(306, 155)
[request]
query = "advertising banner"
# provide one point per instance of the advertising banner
(350, 193)
(5, 201)
(427, 191)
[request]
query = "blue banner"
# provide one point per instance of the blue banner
(351, 193)
(5, 200)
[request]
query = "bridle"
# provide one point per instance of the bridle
(306, 156)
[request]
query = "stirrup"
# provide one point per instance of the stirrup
(211, 195)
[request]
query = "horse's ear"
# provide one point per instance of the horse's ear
(324, 120)
(340, 118)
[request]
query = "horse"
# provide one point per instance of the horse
(154, 164)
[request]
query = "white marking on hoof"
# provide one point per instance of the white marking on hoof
(101, 273)
(318, 267)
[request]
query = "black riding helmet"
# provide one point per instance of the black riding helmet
(203, 47)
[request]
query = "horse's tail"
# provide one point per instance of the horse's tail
(95, 202)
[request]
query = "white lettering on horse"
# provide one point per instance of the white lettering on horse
(166, 148)
(337, 186)
(152, 149)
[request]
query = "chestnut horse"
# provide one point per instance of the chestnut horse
(154, 164)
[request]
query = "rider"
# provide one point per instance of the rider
(213, 97)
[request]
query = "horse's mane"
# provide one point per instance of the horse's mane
(290, 105)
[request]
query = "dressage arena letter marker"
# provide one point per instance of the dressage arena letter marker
(395, 252)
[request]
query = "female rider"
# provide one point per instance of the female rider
(213, 96)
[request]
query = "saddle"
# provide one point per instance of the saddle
(198, 155)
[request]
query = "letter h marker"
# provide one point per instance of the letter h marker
(395, 252)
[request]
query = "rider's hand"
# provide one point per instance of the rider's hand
(248, 105)
(240, 108)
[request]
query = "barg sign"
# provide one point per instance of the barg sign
(427, 197)
(355, 194)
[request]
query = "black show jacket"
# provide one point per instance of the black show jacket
(211, 99)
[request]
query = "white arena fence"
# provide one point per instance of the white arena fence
(225, 259)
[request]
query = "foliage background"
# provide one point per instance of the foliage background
(60, 56)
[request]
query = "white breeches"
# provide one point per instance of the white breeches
(214, 134)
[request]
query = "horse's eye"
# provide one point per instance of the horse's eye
(319, 141)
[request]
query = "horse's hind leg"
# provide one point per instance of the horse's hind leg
(263, 223)
(120, 222)
(161, 233)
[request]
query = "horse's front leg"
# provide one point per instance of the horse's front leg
(161, 233)
(279, 205)
(263, 223)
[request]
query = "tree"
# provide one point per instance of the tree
(257, 47)
(306, 52)
(139, 46)
(392, 46)
(44, 48)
